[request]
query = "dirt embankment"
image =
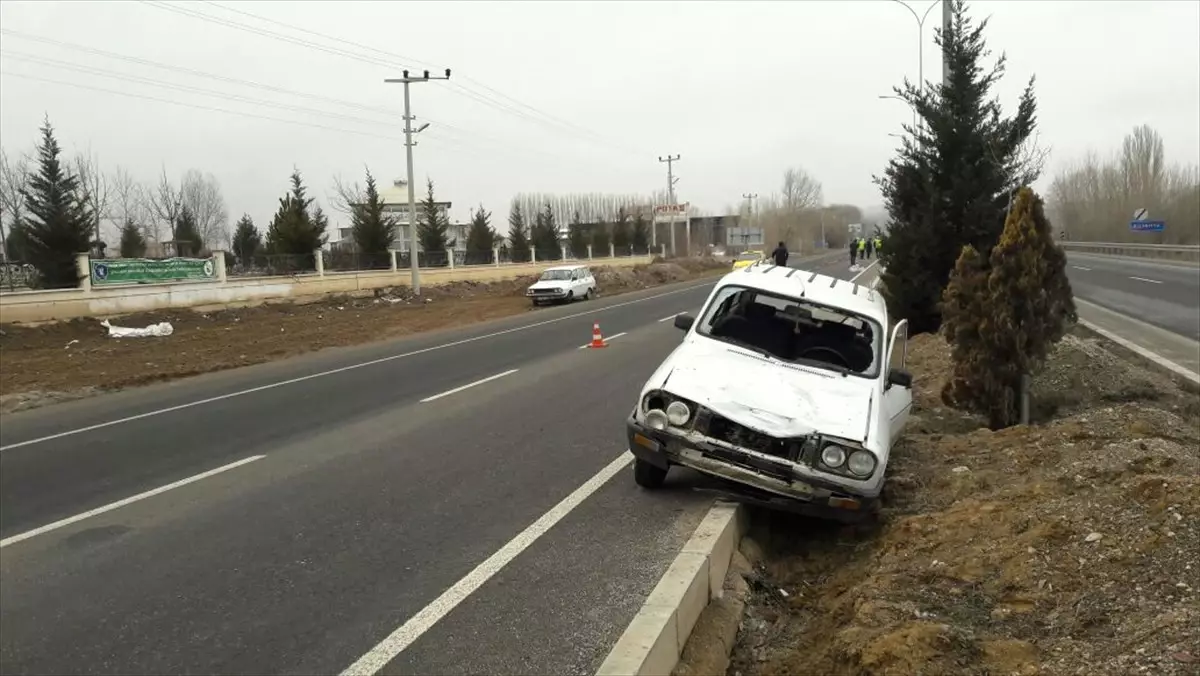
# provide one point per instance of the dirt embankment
(51, 362)
(1068, 547)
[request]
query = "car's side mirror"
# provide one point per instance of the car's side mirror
(899, 377)
(684, 321)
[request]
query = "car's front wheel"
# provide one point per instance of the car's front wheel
(647, 475)
(587, 295)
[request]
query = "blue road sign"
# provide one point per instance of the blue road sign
(1147, 226)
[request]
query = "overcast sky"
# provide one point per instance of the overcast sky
(741, 90)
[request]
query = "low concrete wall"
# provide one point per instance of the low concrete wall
(1172, 252)
(51, 305)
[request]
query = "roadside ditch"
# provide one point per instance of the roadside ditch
(1071, 546)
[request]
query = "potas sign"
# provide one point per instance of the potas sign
(670, 212)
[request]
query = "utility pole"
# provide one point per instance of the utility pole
(408, 144)
(671, 181)
(749, 197)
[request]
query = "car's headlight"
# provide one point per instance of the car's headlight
(861, 463)
(833, 456)
(656, 419)
(678, 413)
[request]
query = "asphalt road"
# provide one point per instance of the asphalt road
(1162, 294)
(365, 502)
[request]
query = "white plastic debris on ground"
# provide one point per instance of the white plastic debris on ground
(153, 331)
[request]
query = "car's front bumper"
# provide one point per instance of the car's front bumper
(753, 477)
(552, 294)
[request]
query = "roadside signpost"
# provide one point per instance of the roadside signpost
(1141, 222)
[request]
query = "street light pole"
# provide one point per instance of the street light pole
(408, 144)
(921, 41)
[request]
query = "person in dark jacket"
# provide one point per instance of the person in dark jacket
(780, 254)
(853, 251)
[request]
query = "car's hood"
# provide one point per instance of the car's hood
(549, 284)
(775, 399)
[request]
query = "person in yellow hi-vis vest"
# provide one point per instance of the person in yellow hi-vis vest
(862, 249)
(878, 246)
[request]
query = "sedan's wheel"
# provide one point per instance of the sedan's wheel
(570, 296)
(587, 295)
(647, 475)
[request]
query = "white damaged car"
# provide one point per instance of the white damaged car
(788, 387)
(563, 283)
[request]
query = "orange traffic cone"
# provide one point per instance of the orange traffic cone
(597, 339)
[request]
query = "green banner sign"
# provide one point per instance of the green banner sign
(151, 271)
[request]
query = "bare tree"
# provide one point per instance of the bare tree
(14, 176)
(165, 202)
(1094, 199)
(346, 195)
(93, 191)
(201, 194)
(800, 190)
(129, 201)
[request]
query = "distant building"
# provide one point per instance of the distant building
(395, 204)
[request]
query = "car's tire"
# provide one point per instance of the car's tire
(587, 295)
(535, 302)
(647, 475)
(570, 297)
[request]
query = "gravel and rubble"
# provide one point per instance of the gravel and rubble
(1070, 546)
(66, 360)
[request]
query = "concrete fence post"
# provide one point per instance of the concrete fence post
(83, 270)
(496, 256)
(218, 259)
(612, 250)
(663, 249)
(392, 255)
(589, 252)
(562, 251)
(450, 258)
(319, 257)
(533, 255)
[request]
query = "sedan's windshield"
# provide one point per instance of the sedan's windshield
(555, 275)
(794, 330)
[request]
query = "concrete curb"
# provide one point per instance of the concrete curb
(654, 640)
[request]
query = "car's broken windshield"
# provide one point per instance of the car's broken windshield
(794, 330)
(555, 275)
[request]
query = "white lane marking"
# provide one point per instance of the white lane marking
(468, 386)
(864, 271)
(351, 367)
(607, 340)
(1138, 349)
(667, 318)
(127, 501)
(423, 621)
(1080, 267)
(1143, 279)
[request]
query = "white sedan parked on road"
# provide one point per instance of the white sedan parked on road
(563, 283)
(789, 387)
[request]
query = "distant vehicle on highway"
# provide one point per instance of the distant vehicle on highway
(788, 387)
(563, 283)
(746, 259)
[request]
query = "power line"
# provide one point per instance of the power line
(197, 106)
(460, 143)
(20, 56)
(197, 73)
(455, 88)
(401, 57)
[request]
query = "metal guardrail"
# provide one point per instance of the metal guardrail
(1176, 252)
